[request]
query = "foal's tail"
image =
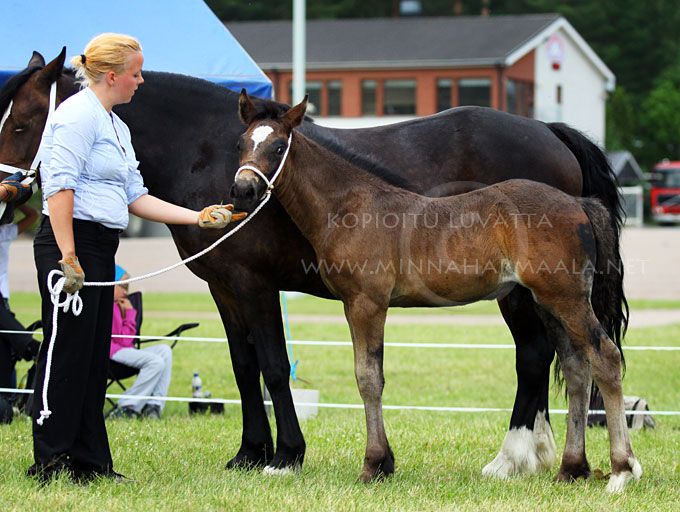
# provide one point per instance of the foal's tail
(607, 284)
(599, 180)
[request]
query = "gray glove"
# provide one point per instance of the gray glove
(73, 272)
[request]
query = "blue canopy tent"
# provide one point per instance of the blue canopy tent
(179, 36)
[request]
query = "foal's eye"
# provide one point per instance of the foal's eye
(279, 150)
(238, 146)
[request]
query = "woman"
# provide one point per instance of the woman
(90, 181)
(154, 362)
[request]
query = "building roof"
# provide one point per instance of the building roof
(626, 168)
(179, 36)
(409, 42)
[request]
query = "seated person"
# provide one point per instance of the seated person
(154, 362)
(13, 346)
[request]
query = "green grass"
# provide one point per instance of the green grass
(178, 462)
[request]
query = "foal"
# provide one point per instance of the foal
(380, 246)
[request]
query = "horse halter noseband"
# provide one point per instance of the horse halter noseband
(31, 174)
(270, 183)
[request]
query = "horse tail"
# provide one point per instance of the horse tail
(608, 270)
(599, 180)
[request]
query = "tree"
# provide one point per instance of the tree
(621, 123)
(661, 119)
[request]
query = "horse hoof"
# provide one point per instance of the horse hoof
(245, 461)
(573, 475)
(284, 471)
(617, 483)
(524, 451)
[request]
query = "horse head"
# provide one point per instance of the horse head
(24, 104)
(262, 148)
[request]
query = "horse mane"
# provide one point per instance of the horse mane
(12, 86)
(364, 163)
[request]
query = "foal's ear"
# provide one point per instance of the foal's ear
(52, 71)
(246, 108)
(36, 60)
(296, 115)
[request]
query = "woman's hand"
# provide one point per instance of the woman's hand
(218, 216)
(124, 303)
(14, 190)
(73, 272)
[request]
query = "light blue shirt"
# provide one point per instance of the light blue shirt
(89, 151)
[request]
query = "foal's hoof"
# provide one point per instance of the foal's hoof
(617, 482)
(384, 470)
(572, 475)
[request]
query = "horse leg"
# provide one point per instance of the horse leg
(576, 372)
(605, 360)
(366, 320)
(529, 446)
(266, 330)
(604, 357)
(257, 447)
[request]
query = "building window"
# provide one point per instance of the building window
(519, 97)
(334, 97)
(399, 97)
(368, 97)
(444, 93)
(474, 91)
(313, 88)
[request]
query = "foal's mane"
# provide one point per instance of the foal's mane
(266, 109)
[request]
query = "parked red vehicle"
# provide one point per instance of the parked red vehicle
(665, 192)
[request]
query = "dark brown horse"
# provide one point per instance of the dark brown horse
(383, 246)
(185, 132)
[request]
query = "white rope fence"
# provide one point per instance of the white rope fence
(346, 343)
(351, 406)
(348, 406)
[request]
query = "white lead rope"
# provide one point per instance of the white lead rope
(75, 303)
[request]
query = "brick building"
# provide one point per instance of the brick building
(531, 65)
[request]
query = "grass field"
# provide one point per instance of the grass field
(178, 463)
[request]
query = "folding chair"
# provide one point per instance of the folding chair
(118, 371)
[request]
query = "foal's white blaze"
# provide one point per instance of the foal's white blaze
(260, 134)
(524, 451)
(288, 470)
(617, 483)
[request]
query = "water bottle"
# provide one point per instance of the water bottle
(196, 386)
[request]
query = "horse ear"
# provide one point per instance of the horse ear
(246, 108)
(296, 115)
(36, 60)
(52, 71)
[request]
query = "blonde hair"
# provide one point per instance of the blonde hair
(106, 52)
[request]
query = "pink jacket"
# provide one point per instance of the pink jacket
(125, 326)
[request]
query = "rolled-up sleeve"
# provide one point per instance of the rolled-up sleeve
(134, 187)
(72, 140)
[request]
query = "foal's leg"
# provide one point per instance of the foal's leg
(605, 360)
(367, 324)
(576, 372)
(529, 446)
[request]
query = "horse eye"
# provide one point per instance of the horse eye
(238, 145)
(19, 130)
(279, 150)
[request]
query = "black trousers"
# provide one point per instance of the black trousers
(80, 356)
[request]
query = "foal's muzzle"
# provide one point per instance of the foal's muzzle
(245, 193)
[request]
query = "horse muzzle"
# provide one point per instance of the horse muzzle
(245, 193)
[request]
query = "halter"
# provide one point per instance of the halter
(270, 184)
(31, 174)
